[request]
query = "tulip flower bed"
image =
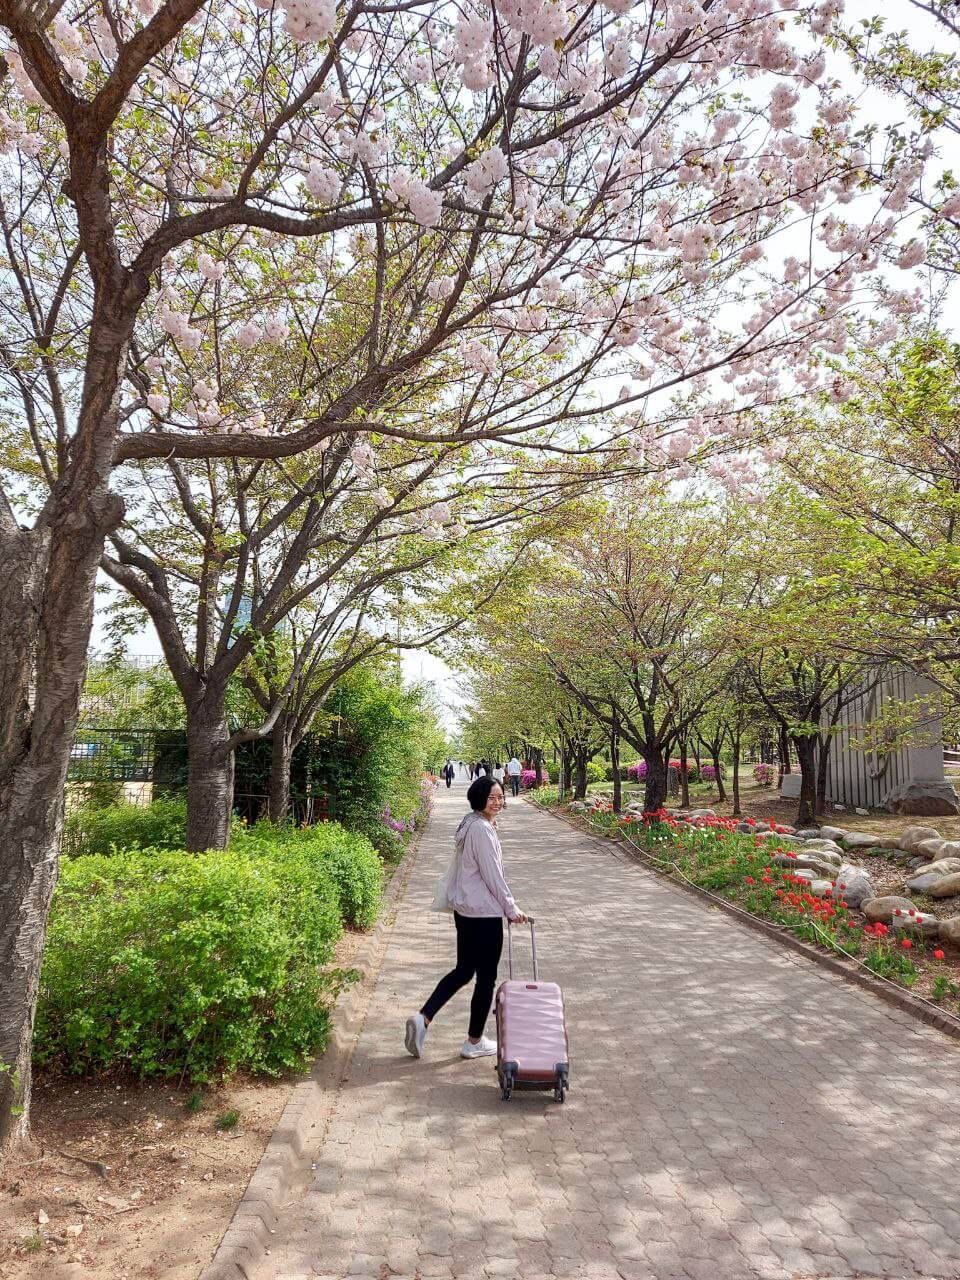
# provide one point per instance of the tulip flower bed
(740, 868)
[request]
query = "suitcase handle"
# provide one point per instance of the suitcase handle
(533, 947)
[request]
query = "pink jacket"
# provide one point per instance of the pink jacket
(477, 886)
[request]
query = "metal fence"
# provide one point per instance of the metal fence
(112, 755)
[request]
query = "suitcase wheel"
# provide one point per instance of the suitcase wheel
(506, 1085)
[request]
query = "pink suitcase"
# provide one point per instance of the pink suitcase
(532, 1048)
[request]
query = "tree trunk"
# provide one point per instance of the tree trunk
(281, 757)
(684, 775)
(615, 771)
(563, 781)
(46, 613)
(735, 738)
(715, 757)
(783, 754)
(807, 759)
(210, 779)
(655, 784)
(824, 744)
(580, 773)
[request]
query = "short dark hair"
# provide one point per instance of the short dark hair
(478, 792)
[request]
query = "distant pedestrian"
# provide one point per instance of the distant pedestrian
(472, 770)
(498, 772)
(449, 772)
(513, 775)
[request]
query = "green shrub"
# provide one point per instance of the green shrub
(161, 825)
(347, 858)
(168, 963)
(597, 772)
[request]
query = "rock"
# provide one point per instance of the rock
(949, 849)
(921, 922)
(821, 888)
(803, 874)
(950, 931)
(804, 861)
(913, 836)
(744, 827)
(884, 907)
(925, 799)
(832, 833)
(833, 857)
(808, 833)
(862, 812)
(944, 868)
(946, 887)
(839, 808)
(577, 806)
(929, 849)
(863, 840)
(854, 886)
(924, 884)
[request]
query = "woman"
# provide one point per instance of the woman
(480, 898)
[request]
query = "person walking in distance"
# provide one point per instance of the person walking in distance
(480, 896)
(513, 774)
(449, 773)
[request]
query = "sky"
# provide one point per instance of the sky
(425, 667)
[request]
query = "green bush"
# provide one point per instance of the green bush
(168, 963)
(597, 772)
(347, 858)
(161, 825)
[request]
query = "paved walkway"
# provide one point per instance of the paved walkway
(734, 1111)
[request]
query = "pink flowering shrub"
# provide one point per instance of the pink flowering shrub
(528, 778)
(764, 774)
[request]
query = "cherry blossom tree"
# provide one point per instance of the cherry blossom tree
(541, 211)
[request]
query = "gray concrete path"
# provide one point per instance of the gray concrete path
(734, 1110)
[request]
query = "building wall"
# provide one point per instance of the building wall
(858, 778)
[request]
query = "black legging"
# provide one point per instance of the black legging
(479, 944)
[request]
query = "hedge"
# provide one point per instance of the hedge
(167, 963)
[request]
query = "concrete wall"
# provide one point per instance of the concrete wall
(858, 778)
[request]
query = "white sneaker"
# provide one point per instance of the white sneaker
(416, 1034)
(484, 1048)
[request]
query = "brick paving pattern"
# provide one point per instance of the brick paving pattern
(734, 1111)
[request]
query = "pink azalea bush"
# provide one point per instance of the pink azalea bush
(528, 778)
(764, 774)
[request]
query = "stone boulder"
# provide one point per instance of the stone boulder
(911, 837)
(925, 799)
(946, 887)
(924, 883)
(822, 888)
(944, 868)
(854, 886)
(949, 849)
(864, 840)
(804, 862)
(930, 849)
(950, 931)
(885, 907)
(921, 922)
(833, 833)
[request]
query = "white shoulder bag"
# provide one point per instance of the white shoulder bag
(441, 899)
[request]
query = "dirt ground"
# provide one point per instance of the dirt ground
(153, 1190)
